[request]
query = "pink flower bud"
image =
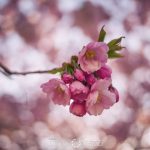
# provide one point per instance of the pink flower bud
(78, 109)
(90, 79)
(79, 75)
(115, 91)
(78, 91)
(67, 78)
(104, 72)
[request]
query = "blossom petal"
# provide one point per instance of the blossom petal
(108, 99)
(97, 51)
(78, 91)
(101, 84)
(57, 91)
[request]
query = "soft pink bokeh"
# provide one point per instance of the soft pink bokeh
(42, 34)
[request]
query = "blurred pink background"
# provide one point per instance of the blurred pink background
(41, 34)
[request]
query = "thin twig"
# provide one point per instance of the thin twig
(6, 71)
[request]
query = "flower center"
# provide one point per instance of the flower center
(99, 97)
(59, 90)
(90, 54)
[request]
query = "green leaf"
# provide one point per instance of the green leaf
(69, 68)
(56, 70)
(74, 58)
(115, 42)
(113, 54)
(102, 35)
(116, 48)
(114, 45)
(74, 61)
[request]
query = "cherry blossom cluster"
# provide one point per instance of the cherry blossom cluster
(86, 83)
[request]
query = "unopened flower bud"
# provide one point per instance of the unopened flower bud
(78, 109)
(115, 91)
(67, 78)
(79, 75)
(90, 79)
(104, 72)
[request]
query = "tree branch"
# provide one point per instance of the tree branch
(6, 71)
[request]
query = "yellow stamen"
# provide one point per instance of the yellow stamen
(90, 54)
(59, 90)
(99, 97)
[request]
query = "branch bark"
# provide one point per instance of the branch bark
(6, 71)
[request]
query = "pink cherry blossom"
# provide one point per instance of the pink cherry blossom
(78, 91)
(78, 109)
(93, 56)
(67, 78)
(104, 72)
(57, 91)
(79, 75)
(100, 97)
(90, 79)
(115, 91)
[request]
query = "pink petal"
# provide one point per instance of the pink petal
(78, 109)
(91, 65)
(94, 106)
(57, 91)
(108, 99)
(78, 91)
(115, 91)
(104, 72)
(79, 75)
(91, 79)
(95, 109)
(101, 84)
(67, 78)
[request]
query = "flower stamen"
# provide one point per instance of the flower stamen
(59, 90)
(90, 54)
(99, 97)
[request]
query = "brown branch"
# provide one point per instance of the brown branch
(6, 71)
